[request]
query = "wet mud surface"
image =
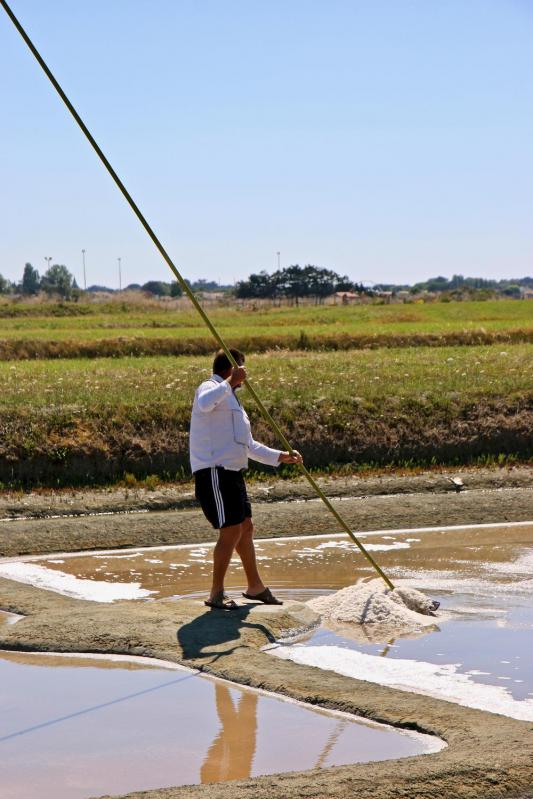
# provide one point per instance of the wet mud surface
(68, 502)
(297, 517)
(488, 755)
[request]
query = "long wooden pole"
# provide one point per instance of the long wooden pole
(186, 288)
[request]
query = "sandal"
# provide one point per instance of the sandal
(266, 597)
(221, 602)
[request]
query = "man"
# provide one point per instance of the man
(220, 444)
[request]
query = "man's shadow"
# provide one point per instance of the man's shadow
(207, 635)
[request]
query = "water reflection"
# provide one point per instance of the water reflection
(146, 728)
(387, 648)
(331, 741)
(231, 755)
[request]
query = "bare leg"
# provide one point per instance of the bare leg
(246, 551)
(228, 539)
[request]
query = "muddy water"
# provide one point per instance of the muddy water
(482, 576)
(301, 567)
(78, 727)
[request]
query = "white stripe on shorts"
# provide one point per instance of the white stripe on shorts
(218, 496)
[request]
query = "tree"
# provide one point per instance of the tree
(175, 289)
(511, 290)
(204, 285)
(5, 285)
(320, 283)
(96, 288)
(258, 286)
(30, 280)
(58, 280)
(345, 284)
(157, 287)
(291, 282)
(294, 282)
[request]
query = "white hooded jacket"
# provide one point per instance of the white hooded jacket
(220, 433)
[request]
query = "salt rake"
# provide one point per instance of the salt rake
(186, 288)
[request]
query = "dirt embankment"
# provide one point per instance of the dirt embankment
(279, 510)
(136, 346)
(180, 496)
(64, 448)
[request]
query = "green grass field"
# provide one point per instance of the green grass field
(346, 384)
(92, 324)
(283, 379)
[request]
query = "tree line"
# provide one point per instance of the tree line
(295, 282)
(291, 283)
(458, 283)
(56, 280)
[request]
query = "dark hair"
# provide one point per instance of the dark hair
(222, 362)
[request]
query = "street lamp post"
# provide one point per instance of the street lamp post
(119, 274)
(48, 258)
(279, 260)
(84, 273)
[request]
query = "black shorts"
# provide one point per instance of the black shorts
(222, 495)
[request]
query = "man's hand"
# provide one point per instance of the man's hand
(290, 457)
(237, 376)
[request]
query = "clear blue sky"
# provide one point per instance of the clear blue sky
(387, 139)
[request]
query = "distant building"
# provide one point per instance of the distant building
(384, 295)
(211, 295)
(526, 293)
(346, 297)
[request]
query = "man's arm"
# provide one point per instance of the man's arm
(262, 453)
(209, 394)
(272, 457)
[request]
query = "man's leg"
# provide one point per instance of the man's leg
(228, 540)
(246, 551)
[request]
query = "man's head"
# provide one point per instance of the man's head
(222, 365)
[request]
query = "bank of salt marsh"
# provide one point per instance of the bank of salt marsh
(72, 421)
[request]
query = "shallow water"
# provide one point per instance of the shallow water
(479, 653)
(297, 567)
(482, 576)
(79, 727)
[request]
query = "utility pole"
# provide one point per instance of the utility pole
(119, 274)
(279, 260)
(48, 258)
(84, 273)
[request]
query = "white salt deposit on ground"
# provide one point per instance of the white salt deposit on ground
(442, 681)
(523, 565)
(348, 545)
(447, 580)
(373, 603)
(69, 585)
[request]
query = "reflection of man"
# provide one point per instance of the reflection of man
(220, 444)
(231, 755)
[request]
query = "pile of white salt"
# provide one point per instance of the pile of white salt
(373, 603)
